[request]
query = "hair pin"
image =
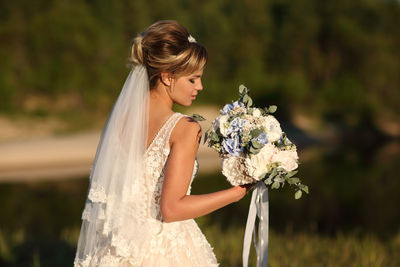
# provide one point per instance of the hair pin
(191, 39)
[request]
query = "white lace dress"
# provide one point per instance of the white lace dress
(152, 242)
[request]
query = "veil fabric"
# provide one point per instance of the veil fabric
(117, 170)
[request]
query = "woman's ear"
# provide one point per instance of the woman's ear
(166, 78)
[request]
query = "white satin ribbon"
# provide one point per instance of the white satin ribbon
(259, 207)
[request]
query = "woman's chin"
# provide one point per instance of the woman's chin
(186, 104)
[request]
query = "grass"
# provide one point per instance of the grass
(306, 249)
(285, 249)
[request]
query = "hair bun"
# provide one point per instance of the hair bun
(165, 46)
(137, 50)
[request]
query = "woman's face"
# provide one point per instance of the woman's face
(185, 88)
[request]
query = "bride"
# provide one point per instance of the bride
(139, 211)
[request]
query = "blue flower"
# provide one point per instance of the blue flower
(238, 123)
(229, 107)
(232, 145)
(235, 126)
(262, 139)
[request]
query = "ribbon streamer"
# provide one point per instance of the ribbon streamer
(259, 208)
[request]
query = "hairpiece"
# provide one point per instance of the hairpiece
(191, 39)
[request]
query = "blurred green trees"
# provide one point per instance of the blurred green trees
(337, 59)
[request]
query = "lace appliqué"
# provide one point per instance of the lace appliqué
(151, 242)
(97, 194)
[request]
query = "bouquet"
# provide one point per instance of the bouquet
(253, 146)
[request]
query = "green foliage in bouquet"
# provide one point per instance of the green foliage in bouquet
(278, 177)
(243, 131)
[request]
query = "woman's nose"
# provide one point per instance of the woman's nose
(199, 86)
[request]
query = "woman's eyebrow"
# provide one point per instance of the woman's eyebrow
(196, 76)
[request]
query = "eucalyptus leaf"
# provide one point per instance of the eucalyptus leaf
(292, 173)
(293, 180)
(254, 150)
(286, 141)
(214, 137)
(256, 132)
(249, 102)
(256, 144)
(298, 194)
(242, 89)
(274, 173)
(272, 108)
(305, 188)
(245, 98)
(268, 181)
(198, 117)
(275, 185)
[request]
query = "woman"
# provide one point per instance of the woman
(139, 211)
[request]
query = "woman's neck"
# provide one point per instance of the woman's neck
(160, 99)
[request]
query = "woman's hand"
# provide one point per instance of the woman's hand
(244, 189)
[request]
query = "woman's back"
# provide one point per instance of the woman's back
(156, 156)
(150, 241)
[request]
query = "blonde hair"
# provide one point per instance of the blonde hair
(165, 46)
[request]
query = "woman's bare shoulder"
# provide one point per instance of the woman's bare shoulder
(187, 130)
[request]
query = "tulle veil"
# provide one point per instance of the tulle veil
(117, 169)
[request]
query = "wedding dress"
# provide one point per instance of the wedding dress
(150, 242)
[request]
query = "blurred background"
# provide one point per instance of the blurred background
(331, 67)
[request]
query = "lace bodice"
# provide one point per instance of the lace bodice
(147, 240)
(155, 158)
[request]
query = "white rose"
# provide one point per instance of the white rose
(234, 169)
(223, 124)
(258, 164)
(248, 126)
(287, 159)
(237, 110)
(272, 128)
(256, 113)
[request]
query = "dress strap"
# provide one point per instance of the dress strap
(171, 125)
(174, 120)
(162, 137)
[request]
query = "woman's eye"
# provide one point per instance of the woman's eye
(191, 80)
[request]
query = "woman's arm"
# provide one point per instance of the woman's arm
(175, 204)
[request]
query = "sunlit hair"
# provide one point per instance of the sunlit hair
(164, 46)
